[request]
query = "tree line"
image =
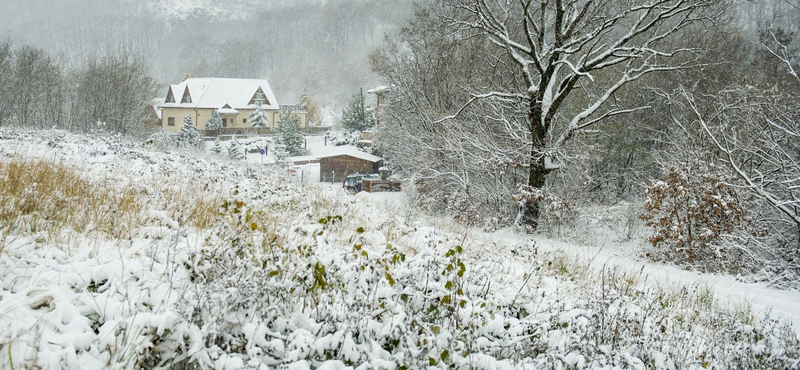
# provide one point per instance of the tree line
(526, 112)
(112, 91)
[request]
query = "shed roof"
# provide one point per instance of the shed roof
(335, 151)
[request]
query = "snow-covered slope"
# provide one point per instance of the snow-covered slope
(173, 258)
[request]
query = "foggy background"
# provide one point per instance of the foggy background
(315, 46)
(318, 47)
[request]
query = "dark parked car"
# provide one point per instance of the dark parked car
(352, 183)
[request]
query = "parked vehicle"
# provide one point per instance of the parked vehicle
(352, 183)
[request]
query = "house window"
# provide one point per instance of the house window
(170, 121)
(224, 122)
(244, 120)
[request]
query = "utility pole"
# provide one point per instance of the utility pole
(363, 111)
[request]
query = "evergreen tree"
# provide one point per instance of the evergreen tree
(280, 155)
(258, 117)
(355, 117)
(289, 134)
(214, 122)
(189, 137)
(217, 148)
(235, 151)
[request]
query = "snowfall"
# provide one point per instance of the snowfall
(286, 272)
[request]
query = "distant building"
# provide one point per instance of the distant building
(232, 98)
(334, 167)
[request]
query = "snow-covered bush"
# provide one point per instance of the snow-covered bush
(248, 270)
(343, 138)
(253, 144)
(691, 208)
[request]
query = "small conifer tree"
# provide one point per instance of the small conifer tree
(214, 122)
(258, 117)
(189, 137)
(289, 134)
(217, 147)
(281, 155)
(355, 117)
(235, 151)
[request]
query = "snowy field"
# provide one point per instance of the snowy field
(118, 254)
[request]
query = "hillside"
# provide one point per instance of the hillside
(316, 47)
(120, 254)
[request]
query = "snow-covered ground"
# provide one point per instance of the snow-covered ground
(184, 259)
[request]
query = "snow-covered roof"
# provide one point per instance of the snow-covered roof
(156, 103)
(378, 90)
(238, 93)
(334, 151)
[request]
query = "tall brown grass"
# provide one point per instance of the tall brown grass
(45, 197)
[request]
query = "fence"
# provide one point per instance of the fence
(258, 131)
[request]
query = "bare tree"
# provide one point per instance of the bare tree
(6, 80)
(114, 89)
(572, 57)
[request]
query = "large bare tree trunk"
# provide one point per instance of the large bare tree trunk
(554, 44)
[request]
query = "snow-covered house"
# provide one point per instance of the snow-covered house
(233, 98)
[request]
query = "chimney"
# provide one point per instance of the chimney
(186, 76)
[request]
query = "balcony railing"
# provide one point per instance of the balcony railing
(258, 131)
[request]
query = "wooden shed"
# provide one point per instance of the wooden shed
(335, 167)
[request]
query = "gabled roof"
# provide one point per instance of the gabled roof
(335, 151)
(238, 93)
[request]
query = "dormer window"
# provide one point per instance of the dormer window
(259, 95)
(170, 98)
(187, 98)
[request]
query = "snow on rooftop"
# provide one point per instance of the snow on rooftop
(216, 92)
(333, 151)
(379, 89)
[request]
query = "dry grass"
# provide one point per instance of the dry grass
(199, 209)
(46, 197)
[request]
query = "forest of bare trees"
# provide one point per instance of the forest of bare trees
(317, 47)
(530, 112)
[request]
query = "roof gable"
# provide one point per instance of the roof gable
(259, 94)
(187, 97)
(170, 97)
(213, 93)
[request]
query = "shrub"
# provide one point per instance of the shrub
(691, 208)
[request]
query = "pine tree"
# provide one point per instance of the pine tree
(289, 134)
(189, 137)
(258, 117)
(235, 151)
(217, 148)
(280, 155)
(214, 122)
(355, 117)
